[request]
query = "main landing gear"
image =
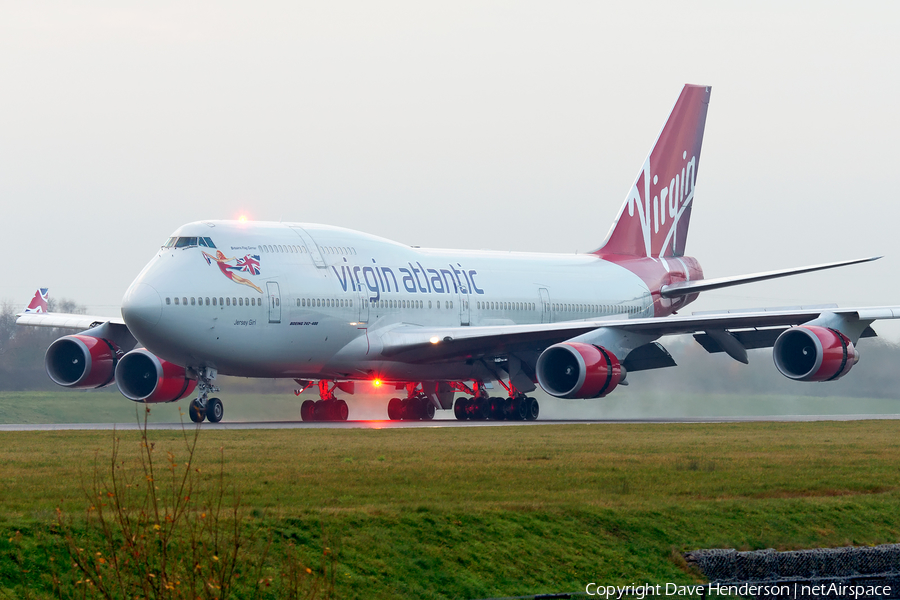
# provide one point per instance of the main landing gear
(480, 407)
(203, 407)
(415, 407)
(327, 408)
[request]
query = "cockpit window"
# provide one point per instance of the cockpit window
(209, 242)
(169, 242)
(185, 242)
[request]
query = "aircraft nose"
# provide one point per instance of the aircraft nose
(141, 306)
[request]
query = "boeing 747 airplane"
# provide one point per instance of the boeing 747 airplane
(330, 307)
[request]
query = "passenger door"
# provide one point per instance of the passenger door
(463, 306)
(546, 317)
(274, 302)
(363, 299)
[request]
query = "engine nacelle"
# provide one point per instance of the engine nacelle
(82, 361)
(144, 377)
(813, 353)
(578, 370)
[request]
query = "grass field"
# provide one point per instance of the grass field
(482, 512)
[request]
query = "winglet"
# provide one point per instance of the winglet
(39, 302)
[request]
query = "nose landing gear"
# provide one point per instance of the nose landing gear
(203, 407)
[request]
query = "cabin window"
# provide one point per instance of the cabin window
(176, 301)
(168, 301)
(193, 301)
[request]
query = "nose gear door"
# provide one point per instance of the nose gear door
(274, 302)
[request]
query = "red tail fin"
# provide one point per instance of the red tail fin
(654, 219)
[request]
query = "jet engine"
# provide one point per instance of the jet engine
(813, 353)
(144, 377)
(81, 361)
(578, 370)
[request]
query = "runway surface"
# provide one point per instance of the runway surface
(436, 423)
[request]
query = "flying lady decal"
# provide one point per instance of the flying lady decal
(247, 264)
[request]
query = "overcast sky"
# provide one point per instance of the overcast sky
(504, 125)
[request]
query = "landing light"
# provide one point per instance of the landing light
(242, 218)
(376, 382)
(435, 340)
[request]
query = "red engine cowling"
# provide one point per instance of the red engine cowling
(813, 353)
(81, 361)
(144, 377)
(578, 370)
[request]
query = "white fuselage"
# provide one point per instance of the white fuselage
(317, 298)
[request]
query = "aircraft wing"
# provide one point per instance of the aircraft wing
(754, 329)
(65, 320)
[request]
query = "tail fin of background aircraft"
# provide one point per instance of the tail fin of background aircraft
(654, 219)
(39, 302)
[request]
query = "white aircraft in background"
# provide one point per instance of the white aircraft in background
(332, 306)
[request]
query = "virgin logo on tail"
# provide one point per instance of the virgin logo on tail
(654, 218)
(669, 204)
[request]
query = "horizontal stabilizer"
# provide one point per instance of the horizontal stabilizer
(685, 288)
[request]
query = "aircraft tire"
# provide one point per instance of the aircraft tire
(508, 409)
(308, 410)
(196, 412)
(533, 409)
(496, 409)
(459, 409)
(426, 409)
(395, 409)
(341, 410)
(520, 409)
(320, 411)
(413, 409)
(214, 410)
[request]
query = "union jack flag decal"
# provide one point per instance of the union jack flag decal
(249, 263)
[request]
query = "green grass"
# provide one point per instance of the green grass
(480, 512)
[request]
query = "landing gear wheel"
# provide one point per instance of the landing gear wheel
(496, 409)
(308, 410)
(520, 409)
(459, 409)
(320, 410)
(214, 410)
(341, 410)
(197, 412)
(426, 409)
(532, 409)
(395, 409)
